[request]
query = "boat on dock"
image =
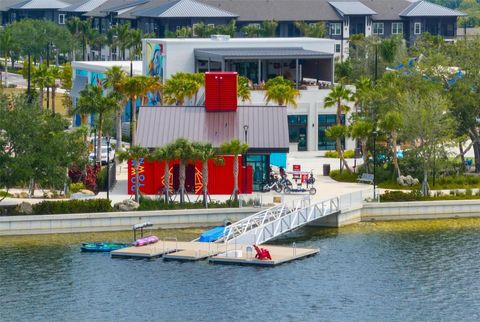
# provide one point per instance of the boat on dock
(102, 247)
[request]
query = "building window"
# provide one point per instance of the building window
(417, 28)
(397, 28)
(337, 48)
(378, 28)
(324, 122)
(297, 130)
(335, 29)
(61, 19)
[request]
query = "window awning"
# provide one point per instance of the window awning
(222, 54)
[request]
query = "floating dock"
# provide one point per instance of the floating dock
(218, 253)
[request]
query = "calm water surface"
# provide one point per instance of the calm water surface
(404, 271)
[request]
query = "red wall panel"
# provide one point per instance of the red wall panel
(220, 177)
(220, 91)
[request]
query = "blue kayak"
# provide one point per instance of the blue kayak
(102, 247)
(213, 234)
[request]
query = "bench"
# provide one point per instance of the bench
(366, 177)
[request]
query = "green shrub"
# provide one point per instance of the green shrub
(348, 154)
(345, 176)
(102, 179)
(72, 206)
(76, 187)
(393, 196)
(158, 204)
(331, 154)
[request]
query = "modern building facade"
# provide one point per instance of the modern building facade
(342, 18)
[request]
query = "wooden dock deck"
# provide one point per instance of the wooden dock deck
(245, 255)
(218, 253)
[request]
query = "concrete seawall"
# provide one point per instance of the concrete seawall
(117, 221)
(49, 224)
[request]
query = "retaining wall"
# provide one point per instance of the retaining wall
(117, 221)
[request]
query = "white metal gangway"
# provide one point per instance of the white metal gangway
(276, 221)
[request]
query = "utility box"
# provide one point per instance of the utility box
(221, 91)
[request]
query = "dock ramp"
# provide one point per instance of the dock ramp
(273, 222)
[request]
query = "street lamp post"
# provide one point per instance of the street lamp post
(95, 147)
(108, 167)
(245, 132)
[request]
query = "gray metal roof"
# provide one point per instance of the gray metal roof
(85, 6)
(279, 10)
(218, 54)
(114, 6)
(387, 9)
(425, 9)
(352, 8)
(183, 9)
(40, 4)
(267, 126)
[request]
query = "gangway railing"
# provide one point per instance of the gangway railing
(276, 221)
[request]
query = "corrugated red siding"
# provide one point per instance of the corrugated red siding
(220, 91)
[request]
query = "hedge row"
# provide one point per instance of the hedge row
(72, 206)
(159, 204)
(415, 195)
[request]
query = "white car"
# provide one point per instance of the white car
(111, 157)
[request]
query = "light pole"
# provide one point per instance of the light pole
(245, 132)
(374, 163)
(95, 147)
(108, 167)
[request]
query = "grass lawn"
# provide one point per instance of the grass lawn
(59, 108)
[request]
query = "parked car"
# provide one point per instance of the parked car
(111, 157)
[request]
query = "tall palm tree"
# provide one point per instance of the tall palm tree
(134, 153)
(235, 148)
(165, 154)
(114, 77)
(338, 97)
(92, 100)
(42, 77)
(361, 130)
(55, 73)
(73, 25)
(281, 91)
(7, 43)
(205, 152)
(111, 40)
(183, 151)
(133, 87)
(337, 133)
(123, 38)
(363, 89)
(391, 123)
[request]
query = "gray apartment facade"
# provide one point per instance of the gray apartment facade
(342, 18)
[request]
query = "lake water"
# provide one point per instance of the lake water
(403, 271)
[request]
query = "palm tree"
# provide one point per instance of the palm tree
(183, 151)
(337, 133)
(111, 41)
(316, 30)
(134, 153)
(55, 74)
(165, 154)
(182, 86)
(361, 130)
(42, 77)
(92, 100)
(336, 98)
(74, 26)
(151, 85)
(123, 38)
(391, 123)
(243, 90)
(363, 88)
(205, 152)
(6, 45)
(114, 77)
(133, 87)
(235, 148)
(281, 91)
